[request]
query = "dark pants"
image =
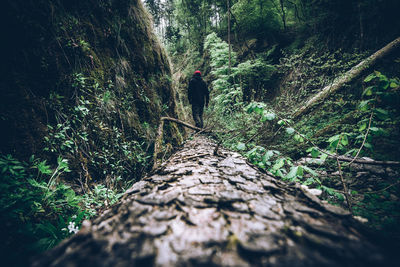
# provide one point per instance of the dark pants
(197, 111)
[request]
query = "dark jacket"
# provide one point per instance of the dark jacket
(198, 92)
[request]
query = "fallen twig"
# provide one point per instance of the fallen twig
(383, 189)
(345, 191)
(369, 162)
(365, 138)
(196, 156)
(160, 133)
(183, 123)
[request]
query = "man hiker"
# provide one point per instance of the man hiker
(198, 96)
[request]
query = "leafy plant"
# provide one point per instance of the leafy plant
(38, 208)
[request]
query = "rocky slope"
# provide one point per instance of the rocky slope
(89, 68)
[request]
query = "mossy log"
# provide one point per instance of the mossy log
(217, 210)
(347, 77)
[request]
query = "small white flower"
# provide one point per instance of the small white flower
(72, 228)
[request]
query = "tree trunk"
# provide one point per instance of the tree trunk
(229, 33)
(283, 14)
(355, 72)
(360, 18)
(216, 210)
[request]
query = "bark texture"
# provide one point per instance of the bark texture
(216, 210)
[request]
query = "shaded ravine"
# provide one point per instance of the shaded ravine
(207, 208)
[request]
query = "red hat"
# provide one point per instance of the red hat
(197, 72)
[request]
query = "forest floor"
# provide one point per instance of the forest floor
(206, 206)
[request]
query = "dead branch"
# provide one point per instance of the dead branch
(347, 77)
(183, 123)
(369, 162)
(365, 138)
(383, 189)
(345, 191)
(197, 156)
(160, 133)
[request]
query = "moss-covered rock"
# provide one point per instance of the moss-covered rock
(87, 80)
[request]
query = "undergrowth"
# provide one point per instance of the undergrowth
(38, 207)
(354, 124)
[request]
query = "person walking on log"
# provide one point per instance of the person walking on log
(198, 96)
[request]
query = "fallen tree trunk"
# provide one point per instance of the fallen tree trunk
(216, 210)
(347, 77)
(182, 123)
(369, 162)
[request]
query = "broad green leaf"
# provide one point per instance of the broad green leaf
(370, 77)
(393, 85)
(258, 110)
(300, 171)
(252, 153)
(292, 174)
(334, 138)
(310, 171)
(261, 165)
(323, 157)
(268, 116)
(298, 138)
(344, 140)
(363, 106)
(314, 152)
(339, 196)
(241, 146)
(290, 130)
(309, 181)
(278, 164)
(381, 113)
(281, 122)
(328, 190)
(378, 131)
(362, 127)
(368, 91)
(384, 84)
(352, 152)
(279, 173)
(382, 77)
(267, 156)
(368, 145)
(361, 136)
(334, 144)
(250, 108)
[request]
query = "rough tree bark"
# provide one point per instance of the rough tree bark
(216, 210)
(347, 77)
